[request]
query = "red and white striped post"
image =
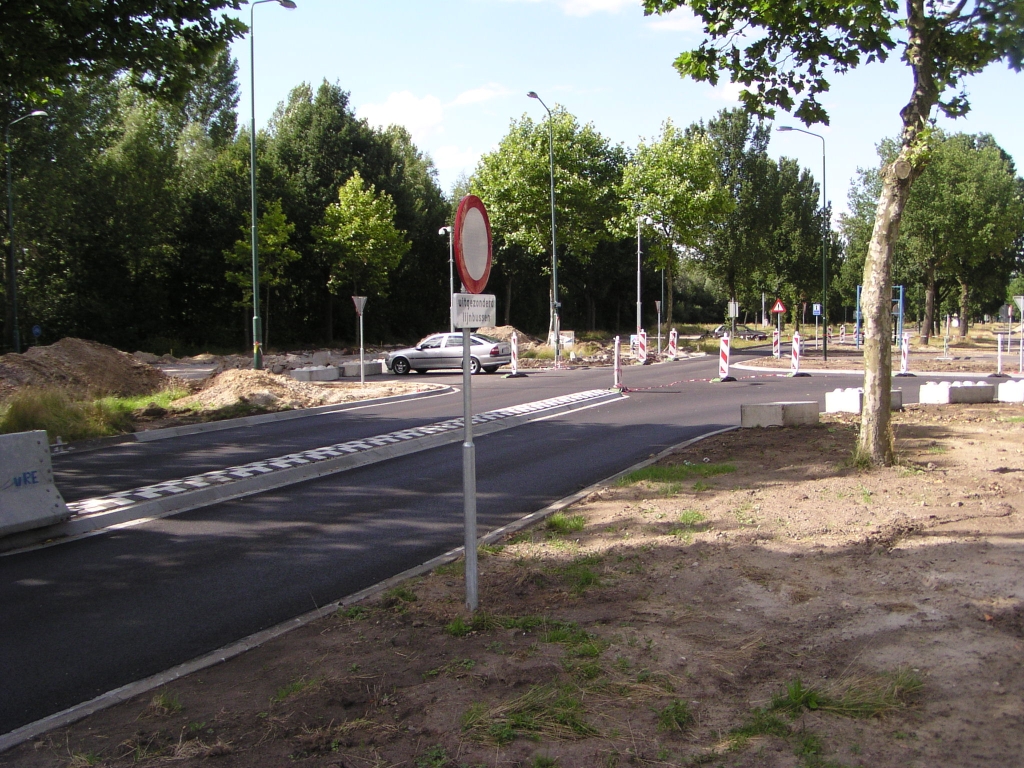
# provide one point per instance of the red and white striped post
(795, 363)
(617, 373)
(515, 353)
(641, 353)
(999, 354)
(905, 355)
(673, 344)
(842, 333)
(723, 359)
(776, 345)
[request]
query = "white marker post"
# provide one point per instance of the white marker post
(360, 302)
(673, 344)
(472, 310)
(617, 375)
(723, 359)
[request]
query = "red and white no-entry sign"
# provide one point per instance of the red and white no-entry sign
(472, 244)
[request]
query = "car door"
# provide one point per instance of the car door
(429, 353)
(452, 352)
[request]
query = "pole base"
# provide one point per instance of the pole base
(997, 376)
(799, 375)
(719, 381)
(519, 375)
(908, 373)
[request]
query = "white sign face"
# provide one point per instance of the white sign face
(474, 310)
(734, 309)
(360, 302)
(1019, 301)
(475, 248)
(816, 310)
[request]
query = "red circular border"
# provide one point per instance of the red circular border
(471, 285)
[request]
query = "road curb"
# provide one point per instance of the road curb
(131, 690)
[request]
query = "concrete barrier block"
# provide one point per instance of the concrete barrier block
(316, 373)
(785, 414)
(28, 497)
(373, 368)
(851, 400)
(321, 358)
(1011, 391)
(944, 392)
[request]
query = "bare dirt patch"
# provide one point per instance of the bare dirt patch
(765, 603)
(87, 368)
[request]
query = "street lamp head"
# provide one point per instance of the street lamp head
(444, 230)
(289, 4)
(784, 128)
(38, 113)
(533, 95)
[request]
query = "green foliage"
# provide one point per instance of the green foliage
(544, 710)
(61, 415)
(435, 757)
(675, 717)
(563, 524)
(359, 241)
(674, 473)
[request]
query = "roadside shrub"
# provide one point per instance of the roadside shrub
(60, 414)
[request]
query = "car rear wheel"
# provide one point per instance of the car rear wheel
(474, 366)
(400, 366)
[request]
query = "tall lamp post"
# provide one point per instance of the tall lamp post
(639, 321)
(257, 324)
(824, 239)
(451, 276)
(12, 261)
(554, 251)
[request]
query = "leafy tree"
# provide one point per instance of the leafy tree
(785, 52)
(514, 183)
(48, 44)
(674, 182)
(358, 243)
(274, 255)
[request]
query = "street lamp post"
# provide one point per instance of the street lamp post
(12, 262)
(824, 239)
(639, 320)
(257, 324)
(554, 251)
(451, 276)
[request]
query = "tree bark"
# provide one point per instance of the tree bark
(929, 303)
(964, 309)
(508, 299)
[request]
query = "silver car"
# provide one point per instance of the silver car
(444, 350)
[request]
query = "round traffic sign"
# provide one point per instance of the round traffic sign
(473, 244)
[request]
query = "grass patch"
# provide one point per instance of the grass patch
(296, 687)
(543, 711)
(165, 703)
(675, 717)
(540, 352)
(861, 696)
(563, 524)
(675, 473)
(579, 574)
(398, 597)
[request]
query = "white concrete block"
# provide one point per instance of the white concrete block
(944, 392)
(28, 497)
(1011, 391)
(851, 400)
(316, 373)
(373, 368)
(321, 358)
(785, 414)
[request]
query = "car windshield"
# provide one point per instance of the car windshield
(486, 339)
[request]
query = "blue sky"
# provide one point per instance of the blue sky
(456, 72)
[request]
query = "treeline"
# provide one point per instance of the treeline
(132, 222)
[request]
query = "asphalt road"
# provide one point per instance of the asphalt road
(89, 616)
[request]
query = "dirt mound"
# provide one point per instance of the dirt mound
(275, 392)
(79, 366)
(504, 333)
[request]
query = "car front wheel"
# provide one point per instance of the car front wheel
(474, 366)
(400, 366)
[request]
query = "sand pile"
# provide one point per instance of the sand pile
(85, 368)
(274, 392)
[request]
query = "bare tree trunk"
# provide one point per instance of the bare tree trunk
(330, 318)
(508, 299)
(669, 284)
(964, 309)
(929, 303)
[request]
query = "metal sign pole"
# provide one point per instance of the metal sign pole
(469, 478)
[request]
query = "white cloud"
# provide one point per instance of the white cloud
(587, 7)
(728, 92)
(481, 94)
(452, 158)
(420, 116)
(679, 20)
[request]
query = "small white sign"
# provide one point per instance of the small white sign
(474, 310)
(1018, 300)
(734, 309)
(816, 310)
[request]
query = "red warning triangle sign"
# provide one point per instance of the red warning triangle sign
(778, 307)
